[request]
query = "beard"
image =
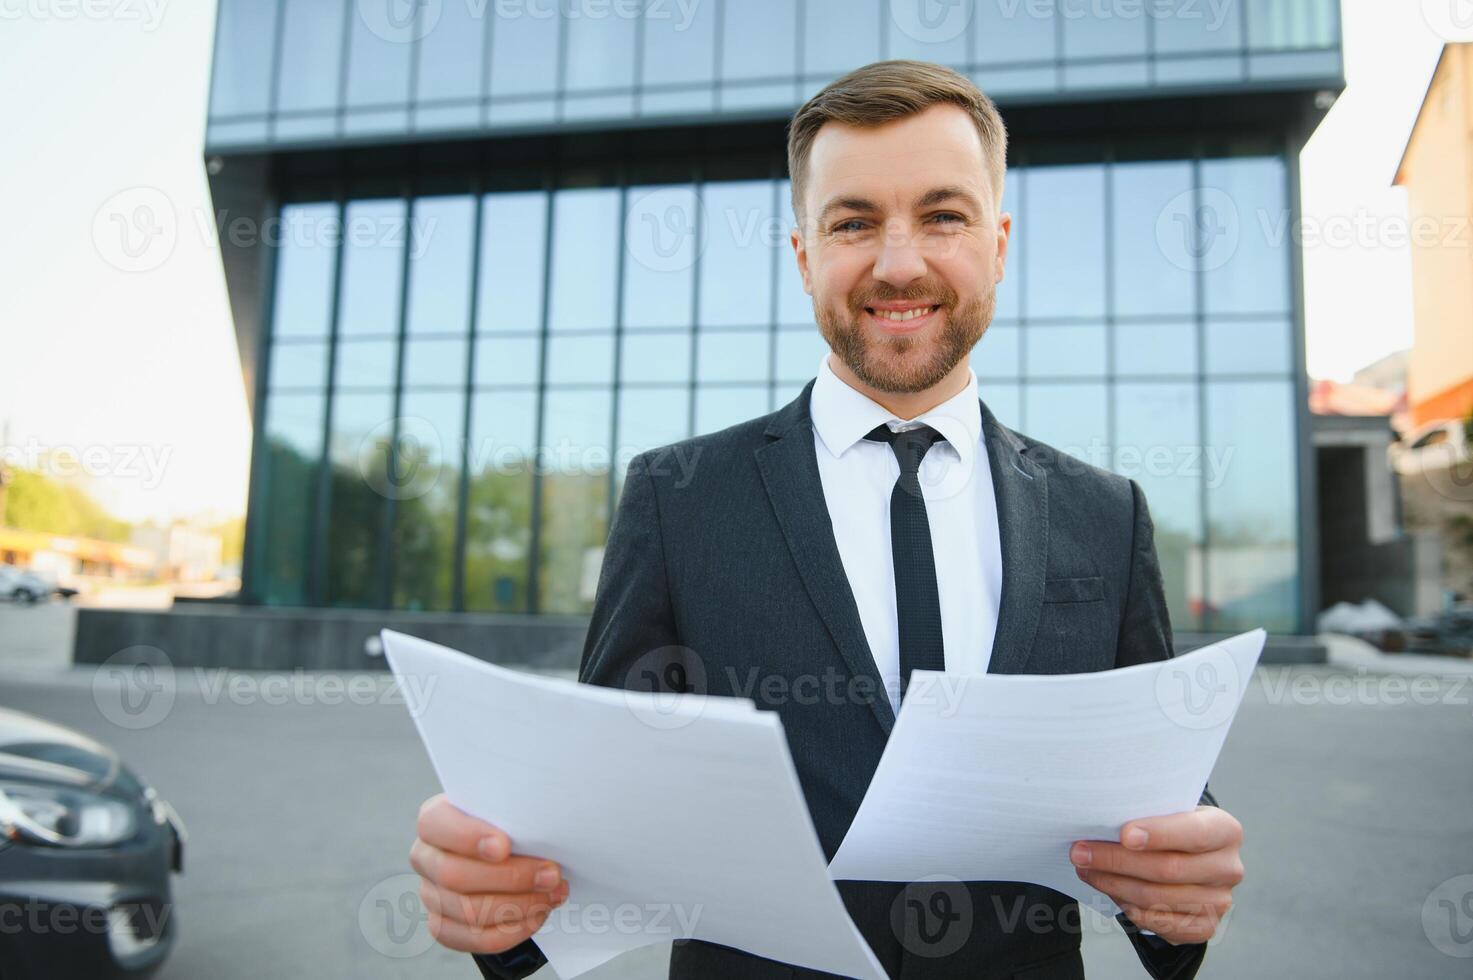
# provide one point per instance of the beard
(906, 364)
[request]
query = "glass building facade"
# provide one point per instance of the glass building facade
(507, 247)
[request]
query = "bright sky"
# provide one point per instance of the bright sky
(137, 370)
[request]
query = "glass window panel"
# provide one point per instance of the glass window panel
(498, 527)
(374, 237)
(1246, 216)
(928, 31)
(1153, 262)
(1064, 241)
(510, 360)
(292, 455)
(1104, 30)
(680, 43)
(1009, 33)
(298, 365)
(580, 359)
(758, 39)
(575, 498)
(1252, 496)
(450, 51)
(311, 52)
(742, 232)
(366, 363)
(524, 49)
(358, 452)
(1156, 348)
(1005, 401)
(655, 357)
(840, 35)
(736, 356)
(1246, 346)
(661, 230)
(1069, 417)
(427, 499)
(996, 354)
(1065, 351)
(305, 261)
(1291, 23)
(600, 51)
(443, 242)
(650, 418)
(1158, 444)
(799, 353)
(381, 37)
(435, 361)
(1194, 26)
(718, 408)
(245, 36)
(585, 257)
(513, 250)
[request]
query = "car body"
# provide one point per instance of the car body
(87, 851)
(22, 585)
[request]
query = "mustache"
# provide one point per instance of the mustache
(936, 293)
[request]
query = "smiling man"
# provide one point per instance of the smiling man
(882, 522)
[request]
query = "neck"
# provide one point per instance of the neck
(906, 405)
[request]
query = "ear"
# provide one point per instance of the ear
(800, 252)
(1004, 235)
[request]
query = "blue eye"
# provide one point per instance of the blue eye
(853, 224)
(950, 216)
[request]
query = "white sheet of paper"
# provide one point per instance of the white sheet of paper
(992, 777)
(672, 816)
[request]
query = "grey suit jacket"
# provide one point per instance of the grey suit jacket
(722, 575)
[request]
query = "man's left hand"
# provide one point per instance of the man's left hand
(1171, 875)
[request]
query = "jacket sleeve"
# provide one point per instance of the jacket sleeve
(631, 635)
(1145, 636)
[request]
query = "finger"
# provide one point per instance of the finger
(470, 939)
(1171, 926)
(1223, 867)
(484, 911)
(1206, 828)
(449, 828)
(1184, 899)
(468, 876)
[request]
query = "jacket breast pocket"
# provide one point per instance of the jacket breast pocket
(1088, 589)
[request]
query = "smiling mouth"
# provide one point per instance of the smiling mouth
(902, 318)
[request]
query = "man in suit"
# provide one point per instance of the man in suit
(883, 521)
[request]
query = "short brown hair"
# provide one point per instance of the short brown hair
(884, 92)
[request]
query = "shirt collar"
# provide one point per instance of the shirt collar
(842, 415)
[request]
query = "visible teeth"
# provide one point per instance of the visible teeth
(901, 316)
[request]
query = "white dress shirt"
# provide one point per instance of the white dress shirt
(858, 476)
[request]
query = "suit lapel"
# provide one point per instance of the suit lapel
(789, 467)
(1021, 488)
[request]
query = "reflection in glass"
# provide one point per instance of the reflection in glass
(1069, 417)
(304, 270)
(575, 503)
(311, 52)
(600, 52)
(427, 473)
(498, 535)
(523, 53)
(374, 237)
(840, 35)
(758, 39)
(741, 233)
(1063, 238)
(1155, 348)
(440, 264)
(358, 454)
(379, 49)
(663, 356)
(366, 363)
(449, 57)
(1248, 346)
(1151, 237)
(1247, 263)
(290, 461)
(679, 43)
(585, 256)
(1065, 351)
(1252, 569)
(298, 364)
(245, 32)
(740, 355)
(661, 231)
(510, 360)
(435, 361)
(513, 244)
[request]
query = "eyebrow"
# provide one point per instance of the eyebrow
(935, 195)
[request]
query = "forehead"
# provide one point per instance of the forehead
(900, 159)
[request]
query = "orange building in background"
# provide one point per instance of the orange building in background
(1436, 169)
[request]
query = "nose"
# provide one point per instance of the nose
(900, 261)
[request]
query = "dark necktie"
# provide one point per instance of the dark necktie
(917, 602)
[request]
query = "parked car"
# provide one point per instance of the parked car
(87, 851)
(21, 585)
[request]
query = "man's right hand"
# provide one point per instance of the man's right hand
(481, 897)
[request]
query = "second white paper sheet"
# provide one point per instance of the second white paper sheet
(673, 816)
(992, 777)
